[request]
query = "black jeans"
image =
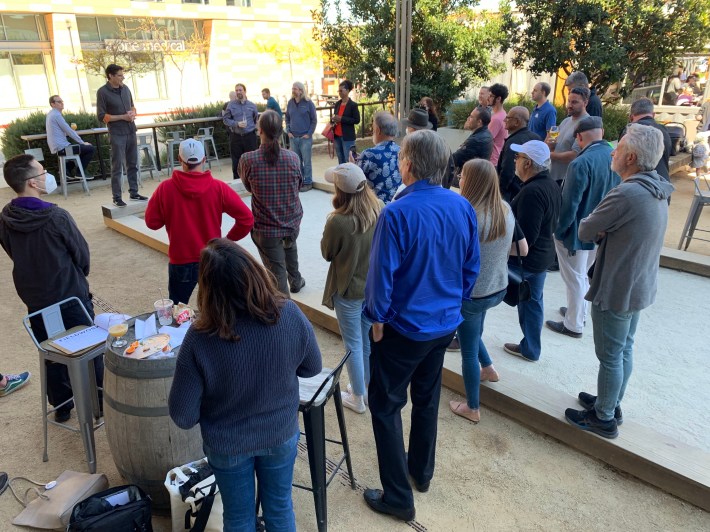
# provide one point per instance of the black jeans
(395, 363)
(86, 153)
(182, 279)
(238, 145)
(280, 256)
(58, 384)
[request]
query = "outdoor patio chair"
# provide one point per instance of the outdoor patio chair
(700, 199)
(81, 375)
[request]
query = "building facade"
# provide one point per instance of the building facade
(178, 53)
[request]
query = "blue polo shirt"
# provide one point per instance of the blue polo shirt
(424, 262)
(542, 119)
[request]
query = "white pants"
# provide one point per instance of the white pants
(573, 270)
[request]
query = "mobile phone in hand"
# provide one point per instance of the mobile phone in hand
(353, 151)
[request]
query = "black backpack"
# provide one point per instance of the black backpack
(119, 509)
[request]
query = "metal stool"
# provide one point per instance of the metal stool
(314, 395)
(700, 200)
(205, 135)
(72, 154)
(145, 143)
(174, 139)
(81, 375)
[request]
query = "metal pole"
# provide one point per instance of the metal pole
(75, 60)
(403, 57)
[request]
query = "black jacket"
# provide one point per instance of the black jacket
(479, 145)
(351, 116)
(509, 182)
(594, 105)
(537, 209)
(50, 256)
(662, 167)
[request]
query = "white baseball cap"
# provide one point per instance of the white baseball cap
(348, 177)
(192, 151)
(535, 149)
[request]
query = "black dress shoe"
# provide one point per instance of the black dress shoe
(559, 327)
(375, 500)
(60, 416)
(421, 487)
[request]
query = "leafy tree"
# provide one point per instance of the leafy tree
(451, 46)
(624, 41)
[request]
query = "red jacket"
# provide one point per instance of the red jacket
(190, 206)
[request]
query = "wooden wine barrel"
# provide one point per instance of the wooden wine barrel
(144, 441)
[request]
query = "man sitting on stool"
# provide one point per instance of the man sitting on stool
(57, 132)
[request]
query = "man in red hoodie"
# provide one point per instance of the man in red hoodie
(190, 206)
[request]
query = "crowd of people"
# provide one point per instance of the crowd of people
(413, 268)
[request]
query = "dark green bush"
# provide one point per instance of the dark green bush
(34, 124)
(615, 117)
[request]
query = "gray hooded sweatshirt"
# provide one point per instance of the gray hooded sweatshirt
(634, 215)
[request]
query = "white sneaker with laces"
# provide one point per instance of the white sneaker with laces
(349, 387)
(353, 402)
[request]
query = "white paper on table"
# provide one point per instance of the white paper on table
(102, 320)
(146, 328)
(177, 334)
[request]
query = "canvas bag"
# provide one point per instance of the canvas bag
(52, 508)
(195, 501)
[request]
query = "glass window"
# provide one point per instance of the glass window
(31, 78)
(246, 3)
(110, 28)
(21, 28)
(88, 29)
(10, 98)
(148, 86)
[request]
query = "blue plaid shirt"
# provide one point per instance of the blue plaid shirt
(381, 169)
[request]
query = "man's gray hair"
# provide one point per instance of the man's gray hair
(537, 168)
(428, 153)
(302, 87)
(642, 106)
(388, 125)
(577, 79)
(646, 142)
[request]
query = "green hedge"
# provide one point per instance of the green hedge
(34, 124)
(615, 117)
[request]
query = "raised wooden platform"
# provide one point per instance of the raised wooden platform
(670, 465)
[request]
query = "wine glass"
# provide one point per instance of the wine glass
(554, 132)
(117, 328)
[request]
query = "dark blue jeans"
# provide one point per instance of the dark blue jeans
(182, 279)
(530, 316)
(235, 478)
(473, 350)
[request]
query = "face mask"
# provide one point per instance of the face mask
(50, 184)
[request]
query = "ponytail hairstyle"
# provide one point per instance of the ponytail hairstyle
(271, 127)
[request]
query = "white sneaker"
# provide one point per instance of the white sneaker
(349, 387)
(353, 402)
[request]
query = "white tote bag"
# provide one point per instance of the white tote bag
(198, 508)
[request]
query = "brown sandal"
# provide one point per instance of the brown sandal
(461, 409)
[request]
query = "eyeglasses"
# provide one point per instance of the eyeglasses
(58, 101)
(44, 172)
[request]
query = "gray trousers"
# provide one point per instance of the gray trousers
(280, 256)
(124, 153)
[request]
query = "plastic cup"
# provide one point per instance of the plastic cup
(164, 310)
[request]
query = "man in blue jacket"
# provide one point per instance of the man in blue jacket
(589, 178)
(424, 261)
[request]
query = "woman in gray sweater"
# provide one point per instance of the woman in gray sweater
(237, 376)
(496, 224)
